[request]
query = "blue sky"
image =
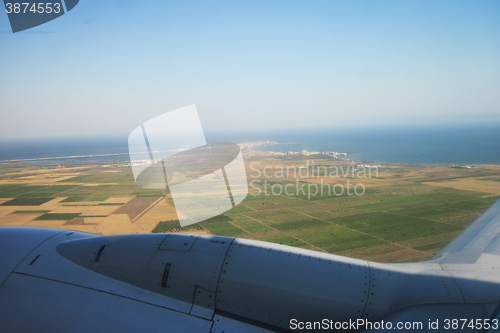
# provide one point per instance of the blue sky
(108, 66)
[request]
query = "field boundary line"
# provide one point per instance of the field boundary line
(303, 241)
(361, 232)
(421, 218)
(241, 204)
(146, 210)
(238, 227)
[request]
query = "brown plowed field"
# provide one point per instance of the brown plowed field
(136, 206)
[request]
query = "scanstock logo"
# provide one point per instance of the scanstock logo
(28, 14)
(170, 152)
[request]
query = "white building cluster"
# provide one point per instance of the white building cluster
(251, 153)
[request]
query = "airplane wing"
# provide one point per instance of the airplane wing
(480, 239)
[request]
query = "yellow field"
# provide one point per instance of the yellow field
(107, 201)
(471, 184)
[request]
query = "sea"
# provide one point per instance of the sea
(450, 145)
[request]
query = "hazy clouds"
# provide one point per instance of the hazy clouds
(261, 64)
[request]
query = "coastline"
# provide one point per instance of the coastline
(397, 146)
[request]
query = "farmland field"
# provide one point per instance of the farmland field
(403, 213)
(51, 216)
(26, 202)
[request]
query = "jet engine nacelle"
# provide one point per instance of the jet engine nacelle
(203, 283)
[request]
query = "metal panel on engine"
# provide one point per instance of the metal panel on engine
(399, 286)
(223, 324)
(274, 284)
(203, 304)
(177, 243)
(199, 267)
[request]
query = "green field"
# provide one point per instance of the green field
(26, 202)
(55, 216)
(402, 217)
(174, 225)
(101, 176)
(73, 199)
(48, 191)
(405, 221)
(18, 191)
(31, 211)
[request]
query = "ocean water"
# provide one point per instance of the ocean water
(418, 145)
(66, 150)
